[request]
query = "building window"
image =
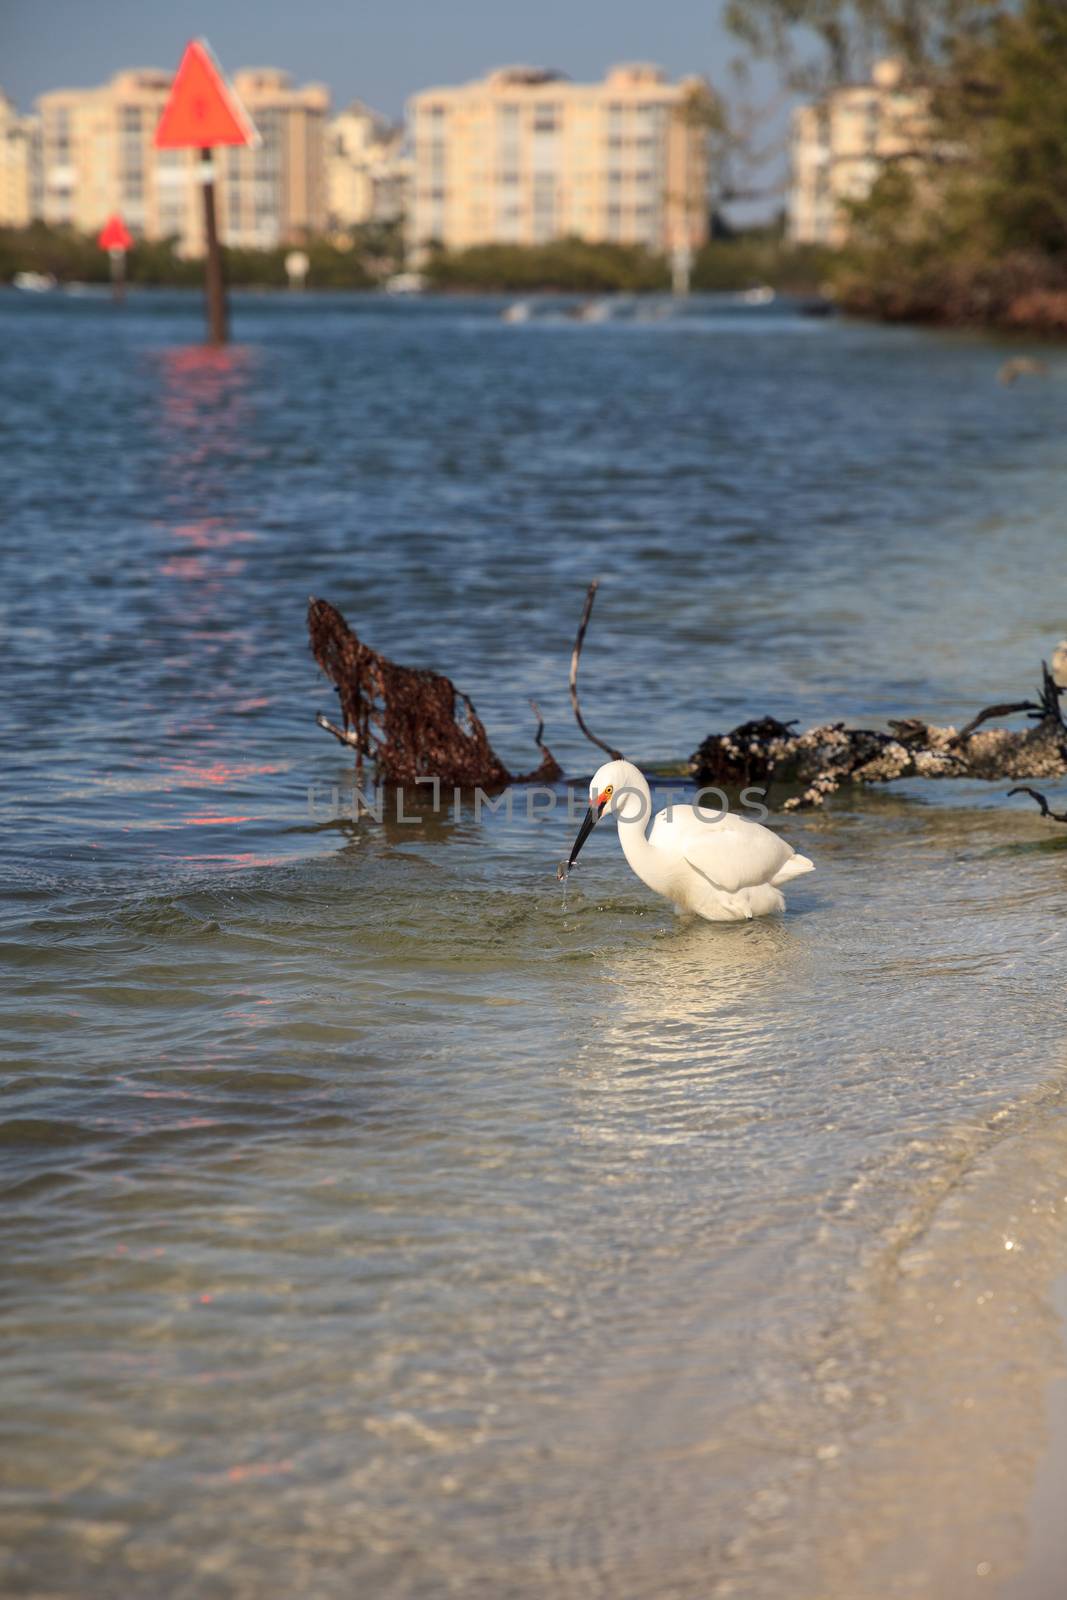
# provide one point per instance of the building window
(544, 207)
(61, 136)
(132, 162)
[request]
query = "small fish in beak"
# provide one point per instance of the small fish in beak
(592, 817)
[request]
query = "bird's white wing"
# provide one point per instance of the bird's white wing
(734, 853)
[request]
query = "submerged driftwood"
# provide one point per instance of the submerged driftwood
(410, 723)
(406, 722)
(824, 758)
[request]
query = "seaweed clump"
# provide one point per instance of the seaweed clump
(407, 722)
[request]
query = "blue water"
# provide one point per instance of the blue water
(375, 1222)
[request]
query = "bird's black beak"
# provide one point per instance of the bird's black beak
(592, 817)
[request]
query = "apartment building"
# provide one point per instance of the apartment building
(96, 153)
(98, 156)
(276, 193)
(367, 171)
(20, 168)
(524, 156)
(840, 145)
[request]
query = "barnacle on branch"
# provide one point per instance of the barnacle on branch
(823, 758)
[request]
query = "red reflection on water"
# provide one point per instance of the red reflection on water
(197, 379)
(210, 822)
(206, 417)
(194, 569)
(224, 771)
(208, 535)
(212, 534)
(206, 422)
(198, 358)
(239, 858)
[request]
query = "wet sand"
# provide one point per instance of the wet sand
(1044, 1573)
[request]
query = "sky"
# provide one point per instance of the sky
(379, 52)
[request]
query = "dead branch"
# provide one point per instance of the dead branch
(1046, 810)
(576, 656)
(1009, 708)
(824, 758)
(345, 735)
(408, 722)
(539, 736)
(1046, 706)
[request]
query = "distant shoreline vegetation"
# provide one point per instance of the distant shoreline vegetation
(73, 257)
(564, 265)
(742, 262)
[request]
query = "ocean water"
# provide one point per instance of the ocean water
(377, 1220)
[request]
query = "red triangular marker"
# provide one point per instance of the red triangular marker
(114, 235)
(202, 109)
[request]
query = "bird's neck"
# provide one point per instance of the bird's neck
(635, 846)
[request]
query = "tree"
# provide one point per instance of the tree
(976, 229)
(831, 41)
(1004, 105)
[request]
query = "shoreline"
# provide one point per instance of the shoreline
(1033, 323)
(999, 309)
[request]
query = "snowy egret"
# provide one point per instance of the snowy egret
(724, 867)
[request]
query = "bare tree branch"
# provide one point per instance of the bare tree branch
(1046, 811)
(1007, 709)
(346, 736)
(576, 656)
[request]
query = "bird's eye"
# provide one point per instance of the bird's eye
(610, 789)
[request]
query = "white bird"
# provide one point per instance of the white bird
(1059, 665)
(721, 866)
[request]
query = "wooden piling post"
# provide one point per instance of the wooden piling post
(214, 282)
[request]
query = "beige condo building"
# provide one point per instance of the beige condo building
(524, 156)
(98, 156)
(367, 171)
(19, 167)
(276, 193)
(841, 144)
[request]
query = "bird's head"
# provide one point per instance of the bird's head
(613, 785)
